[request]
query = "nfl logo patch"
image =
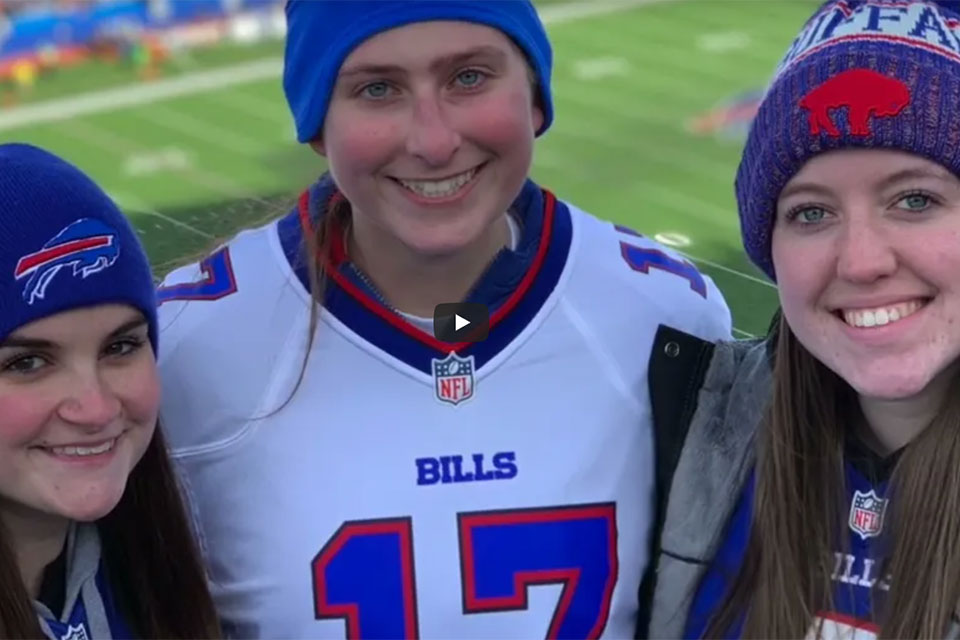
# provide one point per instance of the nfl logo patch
(453, 378)
(78, 632)
(866, 513)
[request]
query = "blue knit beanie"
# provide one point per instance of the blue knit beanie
(862, 73)
(320, 36)
(63, 243)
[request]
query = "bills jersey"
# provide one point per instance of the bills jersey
(859, 578)
(407, 487)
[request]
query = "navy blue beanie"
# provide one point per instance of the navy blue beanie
(861, 74)
(64, 244)
(321, 34)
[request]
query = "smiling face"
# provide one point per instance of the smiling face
(866, 247)
(430, 134)
(79, 397)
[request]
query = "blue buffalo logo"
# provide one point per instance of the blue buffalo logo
(87, 246)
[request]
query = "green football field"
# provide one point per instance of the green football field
(209, 147)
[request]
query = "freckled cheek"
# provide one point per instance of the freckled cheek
(799, 289)
(23, 416)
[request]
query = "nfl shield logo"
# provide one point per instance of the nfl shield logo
(78, 632)
(453, 378)
(866, 513)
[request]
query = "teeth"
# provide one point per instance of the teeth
(882, 315)
(84, 451)
(439, 188)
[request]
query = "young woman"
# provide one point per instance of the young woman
(355, 474)
(93, 539)
(818, 491)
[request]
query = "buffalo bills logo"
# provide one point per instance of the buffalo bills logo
(87, 246)
(863, 92)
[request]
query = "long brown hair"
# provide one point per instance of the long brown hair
(315, 251)
(785, 580)
(153, 566)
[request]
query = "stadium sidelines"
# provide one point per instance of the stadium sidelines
(205, 81)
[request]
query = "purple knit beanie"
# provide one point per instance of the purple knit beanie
(862, 73)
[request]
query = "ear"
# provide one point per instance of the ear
(538, 116)
(318, 147)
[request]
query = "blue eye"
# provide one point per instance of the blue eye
(915, 202)
(376, 90)
(470, 78)
(807, 215)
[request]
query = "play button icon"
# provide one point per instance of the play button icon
(461, 322)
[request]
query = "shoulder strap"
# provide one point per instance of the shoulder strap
(678, 365)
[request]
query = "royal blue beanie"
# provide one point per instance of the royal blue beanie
(63, 243)
(861, 74)
(321, 34)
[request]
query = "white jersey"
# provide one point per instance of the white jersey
(504, 490)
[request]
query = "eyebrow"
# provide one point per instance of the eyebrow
(905, 174)
(916, 172)
(440, 63)
(38, 343)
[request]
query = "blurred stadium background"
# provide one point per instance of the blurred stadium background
(176, 108)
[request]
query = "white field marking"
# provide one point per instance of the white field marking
(681, 164)
(121, 147)
(252, 105)
(594, 127)
(136, 205)
(717, 265)
(139, 94)
(723, 41)
(597, 68)
(199, 129)
(742, 334)
(247, 72)
(672, 239)
(155, 161)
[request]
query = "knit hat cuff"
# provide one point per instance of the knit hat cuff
(309, 81)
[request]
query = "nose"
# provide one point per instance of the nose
(865, 253)
(431, 137)
(90, 402)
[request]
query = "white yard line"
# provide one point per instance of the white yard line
(717, 265)
(136, 205)
(200, 130)
(139, 94)
(742, 334)
(215, 79)
(120, 146)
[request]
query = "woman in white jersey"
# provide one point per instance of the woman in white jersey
(352, 472)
